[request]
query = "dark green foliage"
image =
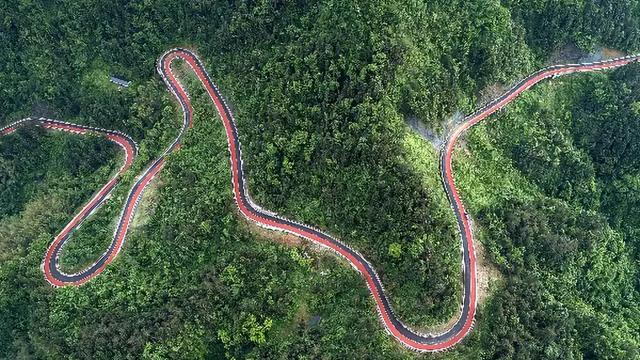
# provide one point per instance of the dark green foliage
(320, 91)
(33, 161)
(607, 121)
(552, 24)
(542, 235)
(527, 323)
(567, 244)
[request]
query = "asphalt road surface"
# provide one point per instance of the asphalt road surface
(394, 326)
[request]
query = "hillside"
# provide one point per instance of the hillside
(322, 93)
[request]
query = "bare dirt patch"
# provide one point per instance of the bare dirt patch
(608, 53)
(280, 237)
(147, 204)
(487, 274)
(573, 54)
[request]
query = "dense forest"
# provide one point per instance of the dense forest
(322, 92)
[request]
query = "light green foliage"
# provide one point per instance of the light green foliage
(568, 250)
(320, 91)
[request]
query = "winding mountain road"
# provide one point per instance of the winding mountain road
(394, 326)
(52, 272)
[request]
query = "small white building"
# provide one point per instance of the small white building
(120, 82)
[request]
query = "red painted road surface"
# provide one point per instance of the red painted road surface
(408, 337)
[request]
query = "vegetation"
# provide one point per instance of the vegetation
(321, 92)
(553, 228)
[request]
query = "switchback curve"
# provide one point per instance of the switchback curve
(404, 334)
(408, 337)
(52, 272)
